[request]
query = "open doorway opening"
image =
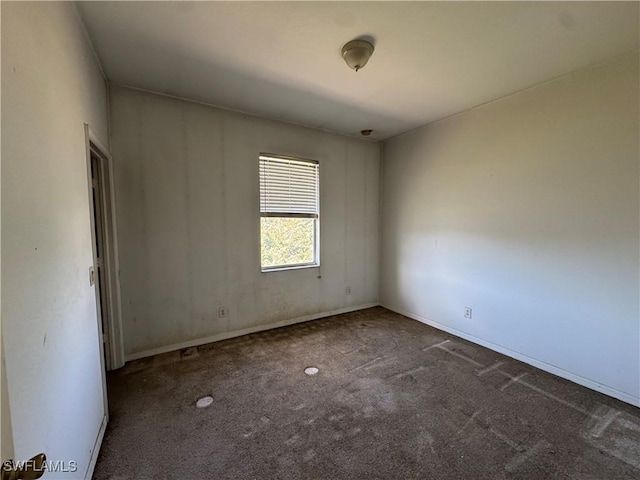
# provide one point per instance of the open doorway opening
(105, 269)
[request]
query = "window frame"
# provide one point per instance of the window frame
(315, 217)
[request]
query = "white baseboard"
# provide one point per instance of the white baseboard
(585, 382)
(244, 331)
(96, 449)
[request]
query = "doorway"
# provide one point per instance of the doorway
(105, 270)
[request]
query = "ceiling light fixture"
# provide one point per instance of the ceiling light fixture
(356, 53)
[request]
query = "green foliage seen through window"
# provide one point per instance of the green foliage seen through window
(286, 241)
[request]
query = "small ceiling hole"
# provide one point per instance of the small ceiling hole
(204, 402)
(311, 370)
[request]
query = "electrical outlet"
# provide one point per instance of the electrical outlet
(222, 312)
(347, 290)
(467, 312)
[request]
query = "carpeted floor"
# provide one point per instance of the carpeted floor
(393, 399)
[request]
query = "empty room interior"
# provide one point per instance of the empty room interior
(320, 240)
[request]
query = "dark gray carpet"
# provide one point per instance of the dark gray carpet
(393, 399)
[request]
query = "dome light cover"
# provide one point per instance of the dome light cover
(356, 53)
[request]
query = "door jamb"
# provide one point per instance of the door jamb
(111, 264)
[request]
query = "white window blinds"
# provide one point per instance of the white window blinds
(288, 187)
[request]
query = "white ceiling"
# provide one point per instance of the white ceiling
(282, 60)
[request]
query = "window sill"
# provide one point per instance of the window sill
(292, 267)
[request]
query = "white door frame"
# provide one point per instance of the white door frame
(6, 440)
(110, 262)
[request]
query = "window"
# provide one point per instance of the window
(289, 212)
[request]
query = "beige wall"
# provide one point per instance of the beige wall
(526, 210)
(51, 86)
(187, 204)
